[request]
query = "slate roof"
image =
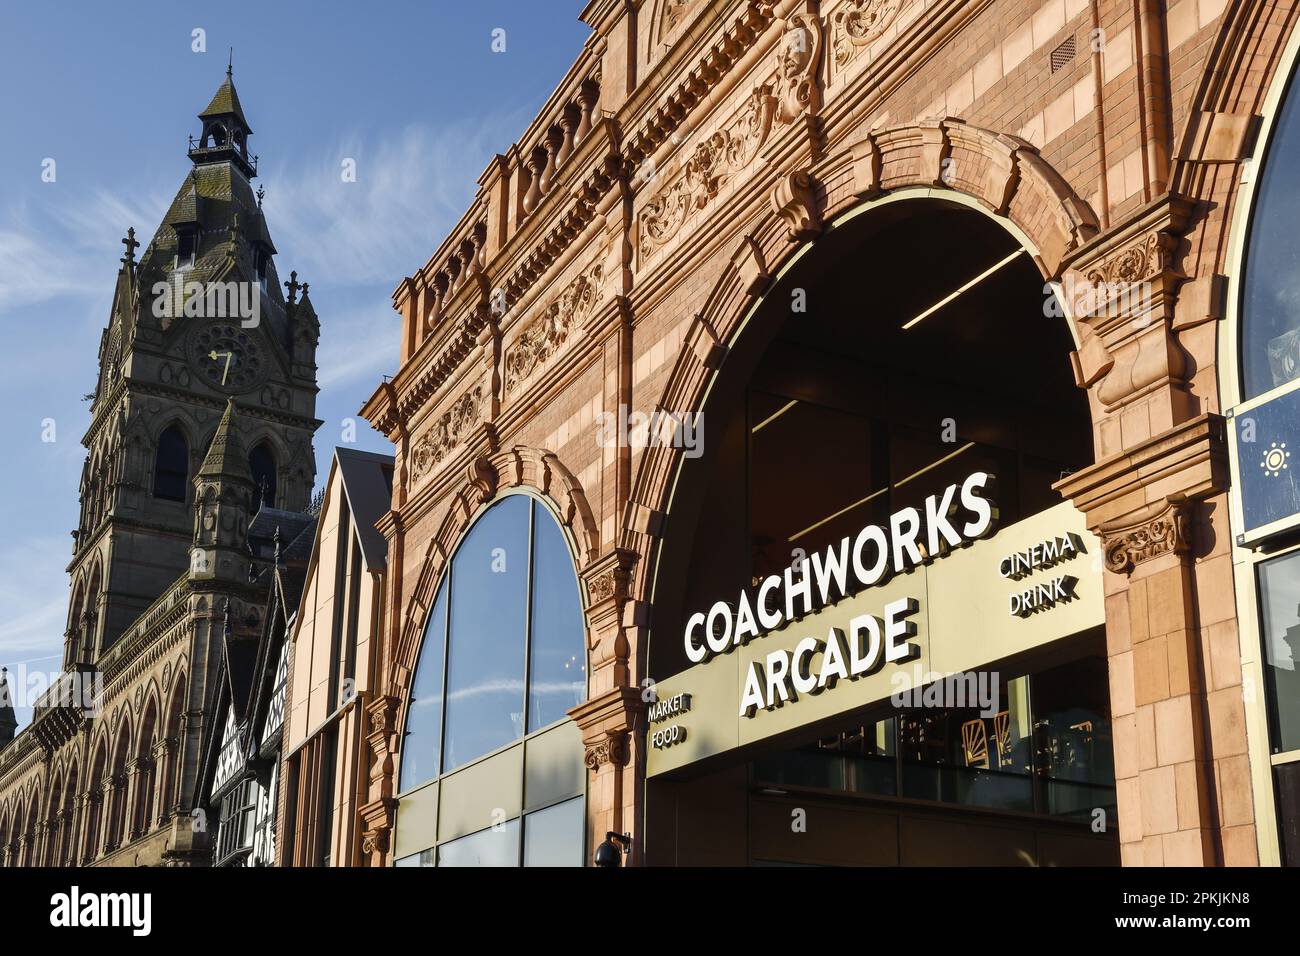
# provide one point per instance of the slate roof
(225, 102)
(368, 484)
(290, 523)
(206, 203)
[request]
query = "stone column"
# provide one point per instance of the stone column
(164, 755)
(111, 789)
(41, 845)
(379, 813)
(137, 772)
(83, 852)
(67, 833)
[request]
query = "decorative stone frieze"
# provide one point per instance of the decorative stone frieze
(549, 332)
(447, 432)
(708, 168)
(858, 24)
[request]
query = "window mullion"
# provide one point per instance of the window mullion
(446, 667)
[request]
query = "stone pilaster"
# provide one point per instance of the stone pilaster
(606, 723)
(379, 814)
(1155, 497)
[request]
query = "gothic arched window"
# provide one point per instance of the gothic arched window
(171, 469)
(261, 464)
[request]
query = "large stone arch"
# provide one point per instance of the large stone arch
(1000, 174)
(535, 469)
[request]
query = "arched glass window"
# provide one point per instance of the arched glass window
(171, 466)
(1270, 336)
(261, 464)
(503, 659)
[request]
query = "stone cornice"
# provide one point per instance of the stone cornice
(420, 380)
(1189, 460)
(679, 87)
(564, 212)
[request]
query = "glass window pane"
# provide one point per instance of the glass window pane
(967, 754)
(423, 737)
(423, 858)
(559, 672)
(485, 666)
(1279, 597)
(490, 847)
(1270, 347)
(1286, 779)
(1073, 749)
(553, 837)
(859, 760)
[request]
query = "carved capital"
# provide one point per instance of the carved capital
(606, 723)
(377, 826)
(1163, 527)
(374, 841)
(612, 749)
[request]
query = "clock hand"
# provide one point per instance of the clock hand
(226, 371)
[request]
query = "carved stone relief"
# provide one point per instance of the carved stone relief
(859, 24)
(434, 445)
(800, 55)
(548, 333)
(713, 162)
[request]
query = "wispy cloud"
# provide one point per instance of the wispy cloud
(58, 250)
(31, 575)
(410, 188)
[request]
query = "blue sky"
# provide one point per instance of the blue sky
(411, 90)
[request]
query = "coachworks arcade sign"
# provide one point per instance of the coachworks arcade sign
(924, 593)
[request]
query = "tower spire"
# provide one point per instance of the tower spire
(8, 719)
(224, 137)
(226, 457)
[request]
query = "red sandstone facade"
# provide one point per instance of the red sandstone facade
(693, 150)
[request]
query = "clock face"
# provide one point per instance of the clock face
(227, 356)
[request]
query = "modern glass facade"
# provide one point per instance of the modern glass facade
(502, 660)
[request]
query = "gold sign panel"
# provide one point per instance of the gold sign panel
(1031, 583)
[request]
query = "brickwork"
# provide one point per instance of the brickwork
(716, 153)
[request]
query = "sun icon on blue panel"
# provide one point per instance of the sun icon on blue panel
(1275, 456)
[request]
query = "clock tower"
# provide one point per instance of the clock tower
(200, 326)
